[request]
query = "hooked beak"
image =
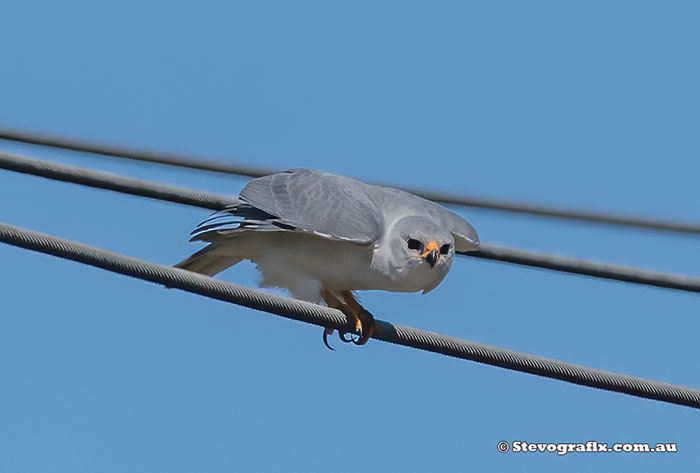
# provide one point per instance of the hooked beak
(431, 253)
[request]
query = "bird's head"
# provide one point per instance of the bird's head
(422, 243)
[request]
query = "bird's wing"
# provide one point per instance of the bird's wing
(235, 219)
(466, 238)
(331, 206)
(325, 204)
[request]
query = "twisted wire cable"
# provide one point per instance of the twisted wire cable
(326, 317)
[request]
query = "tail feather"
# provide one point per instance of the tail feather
(208, 261)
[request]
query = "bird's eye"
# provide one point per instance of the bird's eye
(414, 244)
(444, 249)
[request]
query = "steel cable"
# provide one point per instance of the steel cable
(326, 317)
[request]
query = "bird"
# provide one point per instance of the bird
(323, 236)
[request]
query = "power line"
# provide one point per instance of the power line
(191, 162)
(587, 268)
(136, 154)
(114, 182)
(326, 317)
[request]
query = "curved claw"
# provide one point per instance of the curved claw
(327, 331)
(360, 341)
(364, 338)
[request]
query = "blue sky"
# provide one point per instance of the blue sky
(584, 104)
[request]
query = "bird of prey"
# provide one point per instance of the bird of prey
(322, 236)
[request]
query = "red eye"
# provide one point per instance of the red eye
(444, 249)
(414, 244)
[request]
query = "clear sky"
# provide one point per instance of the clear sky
(586, 104)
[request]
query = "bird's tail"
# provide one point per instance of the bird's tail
(209, 261)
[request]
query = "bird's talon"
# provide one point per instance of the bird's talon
(362, 340)
(360, 320)
(327, 331)
(358, 327)
(366, 327)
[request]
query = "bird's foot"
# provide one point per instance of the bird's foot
(364, 327)
(361, 320)
(344, 337)
(327, 331)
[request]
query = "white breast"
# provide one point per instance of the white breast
(303, 263)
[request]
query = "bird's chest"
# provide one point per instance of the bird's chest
(412, 277)
(337, 265)
(344, 266)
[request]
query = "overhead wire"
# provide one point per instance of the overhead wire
(113, 182)
(327, 317)
(204, 164)
(126, 185)
(584, 267)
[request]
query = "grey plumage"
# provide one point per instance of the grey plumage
(329, 205)
(314, 232)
